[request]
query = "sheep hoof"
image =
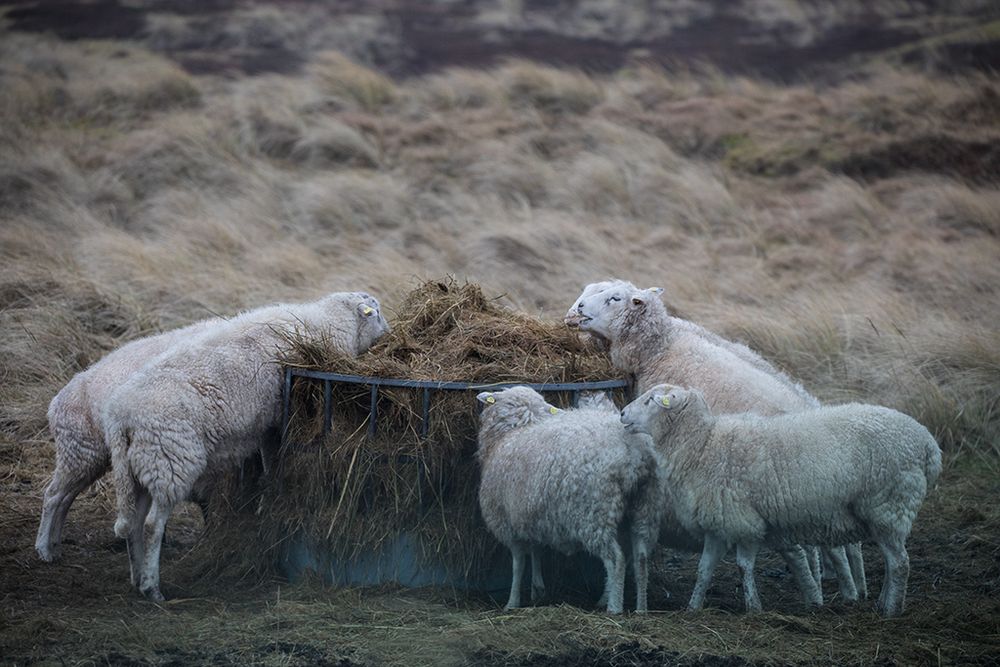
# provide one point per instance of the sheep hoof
(47, 555)
(153, 594)
(886, 611)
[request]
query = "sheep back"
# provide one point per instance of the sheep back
(563, 481)
(821, 477)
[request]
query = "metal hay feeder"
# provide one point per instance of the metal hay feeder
(397, 562)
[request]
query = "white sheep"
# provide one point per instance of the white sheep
(82, 455)
(569, 480)
(596, 400)
(201, 407)
(650, 345)
(827, 476)
(645, 342)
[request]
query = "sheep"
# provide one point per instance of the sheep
(567, 479)
(645, 342)
(596, 400)
(201, 406)
(827, 476)
(650, 345)
(82, 455)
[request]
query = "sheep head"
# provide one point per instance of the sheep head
(508, 409)
(658, 411)
(371, 325)
(607, 312)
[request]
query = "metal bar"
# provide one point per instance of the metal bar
(574, 398)
(327, 408)
(425, 412)
(373, 411)
(286, 402)
(456, 386)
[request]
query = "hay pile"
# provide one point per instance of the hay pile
(345, 493)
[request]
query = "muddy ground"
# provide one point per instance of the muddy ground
(82, 611)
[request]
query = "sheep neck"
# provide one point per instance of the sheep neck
(685, 440)
(642, 337)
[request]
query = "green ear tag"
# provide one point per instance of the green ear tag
(553, 410)
(665, 401)
(490, 399)
(368, 310)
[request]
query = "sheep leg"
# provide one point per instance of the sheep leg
(746, 558)
(134, 538)
(537, 583)
(827, 568)
(67, 483)
(817, 564)
(897, 571)
(857, 562)
(845, 581)
(715, 549)
(640, 563)
(795, 558)
(155, 524)
(59, 495)
(614, 587)
(45, 542)
(517, 573)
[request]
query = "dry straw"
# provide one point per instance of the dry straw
(345, 493)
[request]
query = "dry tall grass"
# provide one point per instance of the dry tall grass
(779, 215)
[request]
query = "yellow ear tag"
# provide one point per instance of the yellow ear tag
(553, 410)
(368, 310)
(665, 401)
(491, 400)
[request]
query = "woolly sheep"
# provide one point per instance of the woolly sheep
(826, 476)
(596, 400)
(567, 479)
(646, 342)
(653, 347)
(199, 407)
(82, 455)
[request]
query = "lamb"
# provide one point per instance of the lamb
(568, 480)
(201, 406)
(650, 345)
(826, 476)
(82, 455)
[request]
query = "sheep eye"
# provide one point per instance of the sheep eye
(613, 298)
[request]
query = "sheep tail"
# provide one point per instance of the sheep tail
(118, 440)
(932, 462)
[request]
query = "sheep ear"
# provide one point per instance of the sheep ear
(655, 290)
(638, 301)
(486, 397)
